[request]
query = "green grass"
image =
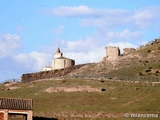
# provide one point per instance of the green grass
(118, 99)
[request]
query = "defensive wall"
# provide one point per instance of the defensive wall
(128, 50)
(49, 74)
(113, 53)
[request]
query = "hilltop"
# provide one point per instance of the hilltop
(143, 62)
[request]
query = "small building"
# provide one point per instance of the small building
(16, 106)
(47, 68)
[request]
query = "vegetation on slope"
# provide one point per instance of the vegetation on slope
(87, 98)
(143, 62)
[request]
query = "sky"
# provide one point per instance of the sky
(31, 30)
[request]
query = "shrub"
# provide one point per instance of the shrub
(148, 71)
(102, 81)
(136, 88)
(103, 89)
(6, 82)
(63, 81)
(149, 67)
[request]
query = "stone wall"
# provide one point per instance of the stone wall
(128, 50)
(112, 52)
(62, 63)
(48, 74)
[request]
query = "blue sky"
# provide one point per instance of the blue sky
(30, 31)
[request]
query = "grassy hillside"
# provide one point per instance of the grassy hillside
(99, 98)
(87, 99)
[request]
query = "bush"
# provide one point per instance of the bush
(102, 81)
(103, 89)
(63, 81)
(6, 82)
(149, 67)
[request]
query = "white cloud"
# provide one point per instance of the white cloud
(92, 16)
(34, 60)
(94, 55)
(146, 16)
(79, 45)
(58, 30)
(8, 44)
(123, 35)
(110, 18)
(70, 11)
(85, 12)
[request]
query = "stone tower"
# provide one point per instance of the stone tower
(112, 52)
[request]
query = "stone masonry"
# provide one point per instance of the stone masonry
(112, 52)
(49, 74)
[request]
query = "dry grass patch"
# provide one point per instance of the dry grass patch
(72, 89)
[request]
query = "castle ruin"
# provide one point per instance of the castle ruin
(113, 53)
(61, 66)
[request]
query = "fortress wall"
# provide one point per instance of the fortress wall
(48, 74)
(128, 50)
